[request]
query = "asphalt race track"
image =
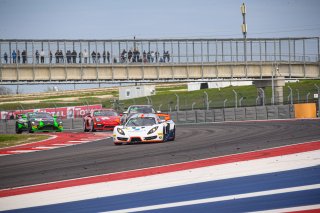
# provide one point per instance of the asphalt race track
(192, 142)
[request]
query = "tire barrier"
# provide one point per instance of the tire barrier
(233, 114)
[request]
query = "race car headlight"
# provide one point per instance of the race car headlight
(153, 130)
(120, 131)
(32, 123)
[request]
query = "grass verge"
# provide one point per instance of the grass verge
(8, 140)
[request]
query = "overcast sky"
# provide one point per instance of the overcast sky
(113, 19)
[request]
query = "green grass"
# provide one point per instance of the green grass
(8, 140)
(165, 97)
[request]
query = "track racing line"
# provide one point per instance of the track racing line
(281, 179)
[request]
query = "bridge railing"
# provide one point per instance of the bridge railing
(150, 51)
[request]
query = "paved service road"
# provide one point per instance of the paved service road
(192, 142)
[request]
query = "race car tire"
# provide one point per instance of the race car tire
(18, 131)
(30, 128)
(92, 127)
(173, 134)
(85, 127)
(164, 135)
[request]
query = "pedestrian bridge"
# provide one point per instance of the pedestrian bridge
(136, 60)
(156, 72)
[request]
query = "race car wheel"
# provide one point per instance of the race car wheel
(85, 127)
(92, 127)
(165, 135)
(30, 128)
(18, 131)
(173, 137)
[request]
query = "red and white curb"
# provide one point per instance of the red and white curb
(57, 140)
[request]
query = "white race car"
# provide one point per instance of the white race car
(144, 128)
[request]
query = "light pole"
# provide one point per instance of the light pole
(235, 98)
(308, 97)
(224, 103)
(207, 100)
(240, 101)
(192, 106)
(244, 32)
(262, 91)
(291, 100)
(177, 101)
(298, 94)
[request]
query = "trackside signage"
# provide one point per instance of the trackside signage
(63, 112)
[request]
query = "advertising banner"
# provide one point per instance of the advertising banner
(63, 112)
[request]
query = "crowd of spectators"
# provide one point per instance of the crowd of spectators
(131, 56)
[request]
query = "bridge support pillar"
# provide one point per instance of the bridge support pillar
(278, 84)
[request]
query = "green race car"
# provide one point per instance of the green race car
(38, 122)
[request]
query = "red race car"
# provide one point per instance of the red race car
(101, 119)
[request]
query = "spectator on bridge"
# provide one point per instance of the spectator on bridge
(104, 56)
(37, 56)
(157, 56)
(98, 58)
(50, 57)
(149, 56)
(56, 55)
(68, 56)
(152, 56)
(123, 56)
(135, 56)
(61, 56)
(18, 56)
(5, 56)
(24, 56)
(80, 57)
(166, 56)
(74, 56)
(14, 57)
(108, 57)
(85, 56)
(93, 55)
(42, 56)
(130, 56)
(144, 54)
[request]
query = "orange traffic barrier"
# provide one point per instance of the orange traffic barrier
(305, 110)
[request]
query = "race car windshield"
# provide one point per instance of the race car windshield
(146, 121)
(104, 113)
(40, 115)
(141, 110)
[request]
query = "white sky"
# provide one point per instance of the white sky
(113, 19)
